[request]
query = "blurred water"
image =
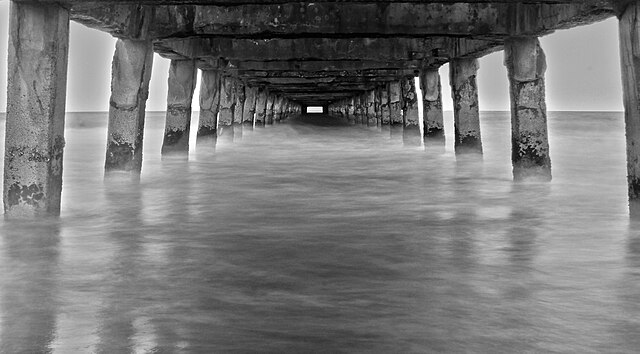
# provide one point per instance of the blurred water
(307, 237)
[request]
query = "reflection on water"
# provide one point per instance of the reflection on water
(306, 237)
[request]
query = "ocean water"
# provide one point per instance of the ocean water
(316, 236)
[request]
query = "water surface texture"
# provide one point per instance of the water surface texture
(306, 237)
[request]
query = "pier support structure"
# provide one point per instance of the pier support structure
(131, 71)
(227, 106)
(395, 104)
(464, 92)
(526, 65)
(249, 109)
(433, 121)
(261, 106)
(238, 108)
(37, 81)
(410, 114)
(209, 106)
(182, 83)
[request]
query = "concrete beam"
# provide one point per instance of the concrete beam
(347, 66)
(131, 71)
(526, 65)
(311, 48)
(36, 92)
(182, 83)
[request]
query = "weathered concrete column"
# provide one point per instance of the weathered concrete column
(182, 83)
(131, 71)
(261, 106)
(395, 104)
(433, 121)
(371, 108)
(238, 108)
(377, 105)
(629, 33)
(37, 84)
(385, 113)
(269, 110)
(227, 106)
(277, 109)
(526, 65)
(249, 106)
(209, 105)
(357, 109)
(410, 114)
(465, 105)
(351, 110)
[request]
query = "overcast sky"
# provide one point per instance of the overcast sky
(583, 71)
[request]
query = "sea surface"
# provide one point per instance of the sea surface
(317, 236)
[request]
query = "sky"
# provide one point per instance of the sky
(583, 71)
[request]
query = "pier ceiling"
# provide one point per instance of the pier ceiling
(326, 49)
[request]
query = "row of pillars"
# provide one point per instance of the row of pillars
(37, 71)
(227, 106)
(395, 104)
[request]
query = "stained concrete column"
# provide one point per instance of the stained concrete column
(357, 109)
(371, 108)
(629, 33)
(269, 110)
(131, 71)
(36, 92)
(227, 106)
(261, 106)
(410, 114)
(209, 105)
(526, 65)
(277, 109)
(433, 121)
(182, 83)
(238, 108)
(395, 104)
(249, 106)
(351, 110)
(385, 113)
(377, 105)
(464, 92)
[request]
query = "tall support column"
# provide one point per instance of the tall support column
(371, 108)
(378, 105)
(238, 108)
(385, 113)
(351, 111)
(261, 106)
(629, 32)
(227, 106)
(277, 109)
(433, 121)
(182, 83)
(357, 109)
(269, 110)
(395, 106)
(249, 106)
(465, 105)
(410, 114)
(209, 105)
(131, 71)
(526, 65)
(37, 84)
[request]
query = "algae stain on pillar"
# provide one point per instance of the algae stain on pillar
(37, 80)
(526, 66)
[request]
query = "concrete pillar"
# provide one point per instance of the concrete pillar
(209, 105)
(238, 108)
(433, 121)
(249, 106)
(227, 106)
(351, 115)
(269, 110)
(410, 114)
(371, 108)
(378, 105)
(629, 33)
(465, 105)
(182, 83)
(261, 106)
(277, 109)
(36, 92)
(395, 105)
(526, 65)
(131, 71)
(385, 113)
(357, 109)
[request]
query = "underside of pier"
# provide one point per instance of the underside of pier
(265, 60)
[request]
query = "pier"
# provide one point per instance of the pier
(263, 62)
